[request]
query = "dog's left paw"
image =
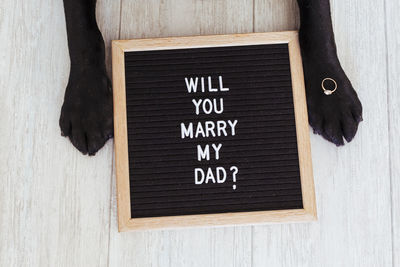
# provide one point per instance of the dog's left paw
(337, 115)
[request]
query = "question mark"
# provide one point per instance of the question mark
(235, 171)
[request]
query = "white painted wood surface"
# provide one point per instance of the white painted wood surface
(58, 208)
(54, 203)
(393, 71)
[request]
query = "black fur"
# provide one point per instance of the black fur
(87, 116)
(87, 112)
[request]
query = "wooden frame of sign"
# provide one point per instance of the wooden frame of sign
(125, 220)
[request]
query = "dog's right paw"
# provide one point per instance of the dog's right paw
(87, 113)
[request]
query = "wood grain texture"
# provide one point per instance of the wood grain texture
(393, 57)
(302, 129)
(120, 139)
(147, 19)
(272, 15)
(204, 41)
(108, 18)
(352, 182)
(54, 202)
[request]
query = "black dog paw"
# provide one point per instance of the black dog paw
(87, 113)
(334, 116)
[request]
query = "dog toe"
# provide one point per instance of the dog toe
(316, 122)
(79, 140)
(349, 127)
(96, 140)
(357, 112)
(333, 132)
(65, 125)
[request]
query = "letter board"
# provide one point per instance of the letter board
(211, 130)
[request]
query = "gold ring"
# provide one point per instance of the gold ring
(327, 91)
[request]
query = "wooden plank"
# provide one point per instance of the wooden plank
(108, 18)
(204, 41)
(274, 15)
(120, 136)
(303, 135)
(54, 202)
(353, 189)
(393, 41)
(151, 19)
(146, 19)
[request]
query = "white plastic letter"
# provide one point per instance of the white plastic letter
(198, 179)
(191, 85)
(203, 154)
(186, 132)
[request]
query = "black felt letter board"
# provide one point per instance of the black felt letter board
(233, 149)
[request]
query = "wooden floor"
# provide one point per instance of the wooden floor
(58, 208)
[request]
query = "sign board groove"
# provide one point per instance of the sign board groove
(211, 130)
